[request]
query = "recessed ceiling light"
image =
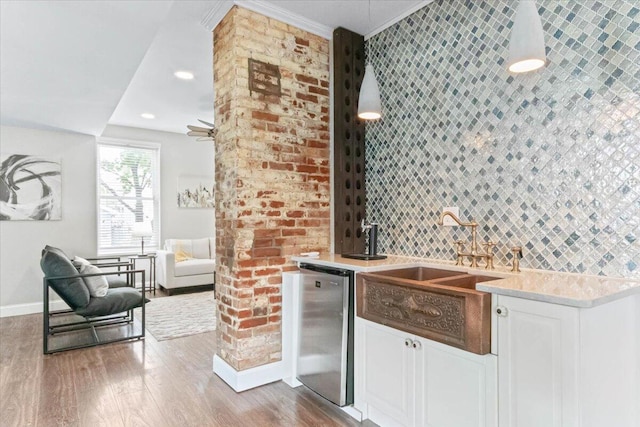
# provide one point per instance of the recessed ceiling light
(147, 116)
(184, 75)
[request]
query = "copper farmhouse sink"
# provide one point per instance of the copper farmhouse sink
(442, 305)
(419, 273)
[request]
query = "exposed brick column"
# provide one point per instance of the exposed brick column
(272, 176)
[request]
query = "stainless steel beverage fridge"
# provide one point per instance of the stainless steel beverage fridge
(325, 353)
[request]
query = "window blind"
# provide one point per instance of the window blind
(128, 189)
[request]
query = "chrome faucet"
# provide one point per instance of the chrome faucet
(474, 255)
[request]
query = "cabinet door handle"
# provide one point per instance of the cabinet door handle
(417, 345)
(408, 343)
(502, 311)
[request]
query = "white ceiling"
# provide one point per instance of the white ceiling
(80, 65)
(182, 43)
(66, 64)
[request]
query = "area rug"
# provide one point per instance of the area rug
(180, 315)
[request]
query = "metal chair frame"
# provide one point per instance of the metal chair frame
(95, 321)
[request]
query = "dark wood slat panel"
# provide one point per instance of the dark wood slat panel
(349, 132)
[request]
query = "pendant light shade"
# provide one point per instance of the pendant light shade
(369, 105)
(526, 46)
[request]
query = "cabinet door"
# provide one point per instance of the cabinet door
(538, 364)
(385, 374)
(455, 388)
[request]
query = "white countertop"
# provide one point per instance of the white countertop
(576, 290)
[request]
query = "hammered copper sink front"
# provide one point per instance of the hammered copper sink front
(441, 305)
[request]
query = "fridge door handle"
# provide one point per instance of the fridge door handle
(326, 270)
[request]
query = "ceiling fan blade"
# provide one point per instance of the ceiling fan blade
(207, 123)
(197, 128)
(205, 139)
(192, 133)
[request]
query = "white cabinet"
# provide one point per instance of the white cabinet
(537, 346)
(561, 366)
(405, 380)
(384, 374)
(456, 388)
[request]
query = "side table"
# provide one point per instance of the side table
(151, 258)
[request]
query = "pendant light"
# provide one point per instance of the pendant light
(369, 105)
(526, 46)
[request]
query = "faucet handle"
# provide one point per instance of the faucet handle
(517, 254)
(489, 254)
(459, 251)
(489, 245)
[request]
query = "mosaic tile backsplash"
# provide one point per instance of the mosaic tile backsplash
(548, 160)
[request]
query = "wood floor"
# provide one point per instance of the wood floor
(142, 383)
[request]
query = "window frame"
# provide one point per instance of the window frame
(156, 191)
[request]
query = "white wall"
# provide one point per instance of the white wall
(22, 241)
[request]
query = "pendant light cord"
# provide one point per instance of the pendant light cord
(369, 105)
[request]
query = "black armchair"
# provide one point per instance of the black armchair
(108, 318)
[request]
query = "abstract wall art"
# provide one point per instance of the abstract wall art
(30, 188)
(195, 191)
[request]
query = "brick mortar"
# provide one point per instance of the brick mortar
(272, 177)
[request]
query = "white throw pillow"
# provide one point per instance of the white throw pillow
(200, 248)
(97, 285)
(180, 245)
(78, 262)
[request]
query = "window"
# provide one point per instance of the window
(128, 193)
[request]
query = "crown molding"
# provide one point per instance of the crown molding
(215, 15)
(212, 18)
(287, 17)
(397, 19)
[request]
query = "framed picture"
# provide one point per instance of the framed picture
(30, 188)
(195, 191)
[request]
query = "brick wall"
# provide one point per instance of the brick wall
(272, 176)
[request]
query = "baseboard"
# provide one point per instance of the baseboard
(353, 412)
(293, 382)
(247, 379)
(29, 308)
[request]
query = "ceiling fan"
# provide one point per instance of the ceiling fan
(204, 134)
